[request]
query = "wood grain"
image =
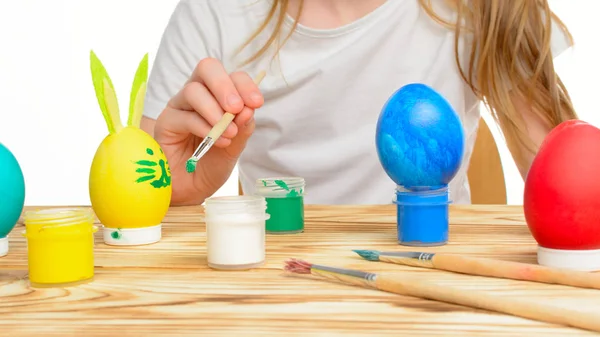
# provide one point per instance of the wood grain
(166, 288)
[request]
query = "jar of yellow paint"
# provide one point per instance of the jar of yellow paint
(60, 246)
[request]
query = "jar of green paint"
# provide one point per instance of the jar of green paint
(285, 204)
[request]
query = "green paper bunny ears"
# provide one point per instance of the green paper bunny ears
(107, 98)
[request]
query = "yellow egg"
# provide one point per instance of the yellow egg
(130, 180)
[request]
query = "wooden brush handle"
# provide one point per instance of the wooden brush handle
(223, 123)
(482, 300)
(515, 270)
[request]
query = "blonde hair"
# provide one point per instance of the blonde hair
(510, 58)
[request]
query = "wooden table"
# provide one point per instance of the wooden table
(166, 288)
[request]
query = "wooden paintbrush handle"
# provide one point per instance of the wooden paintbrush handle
(482, 300)
(515, 270)
(221, 125)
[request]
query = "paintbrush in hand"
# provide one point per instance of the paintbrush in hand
(486, 267)
(214, 134)
(411, 286)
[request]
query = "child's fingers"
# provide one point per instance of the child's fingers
(182, 122)
(213, 75)
(204, 103)
(243, 118)
(195, 97)
(247, 89)
(245, 123)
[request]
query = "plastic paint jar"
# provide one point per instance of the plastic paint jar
(285, 203)
(422, 216)
(235, 232)
(60, 246)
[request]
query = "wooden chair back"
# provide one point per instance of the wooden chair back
(485, 173)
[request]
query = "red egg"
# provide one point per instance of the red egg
(562, 195)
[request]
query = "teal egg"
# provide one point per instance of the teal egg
(12, 191)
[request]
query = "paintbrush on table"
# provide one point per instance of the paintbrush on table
(486, 267)
(411, 286)
(214, 134)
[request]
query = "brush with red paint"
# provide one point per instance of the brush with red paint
(416, 287)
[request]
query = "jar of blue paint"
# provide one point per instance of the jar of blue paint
(422, 216)
(420, 142)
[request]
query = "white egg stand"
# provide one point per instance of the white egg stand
(580, 260)
(132, 236)
(3, 246)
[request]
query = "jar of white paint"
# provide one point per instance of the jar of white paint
(235, 232)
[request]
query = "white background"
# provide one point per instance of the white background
(50, 117)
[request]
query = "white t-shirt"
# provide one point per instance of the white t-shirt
(324, 93)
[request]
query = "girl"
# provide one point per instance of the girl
(331, 65)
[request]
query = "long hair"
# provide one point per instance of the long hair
(510, 59)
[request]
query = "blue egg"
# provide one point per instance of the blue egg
(12, 191)
(419, 138)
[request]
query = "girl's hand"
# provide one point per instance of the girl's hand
(188, 118)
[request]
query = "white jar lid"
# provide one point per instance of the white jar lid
(580, 260)
(132, 236)
(3, 246)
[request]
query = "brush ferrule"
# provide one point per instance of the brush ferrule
(416, 259)
(206, 144)
(361, 275)
(411, 255)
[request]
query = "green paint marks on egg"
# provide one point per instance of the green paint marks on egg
(145, 178)
(165, 179)
(148, 171)
(145, 170)
(146, 163)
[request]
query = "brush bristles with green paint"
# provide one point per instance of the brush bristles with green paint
(486, 267)
(209, 141)
(214, 134)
